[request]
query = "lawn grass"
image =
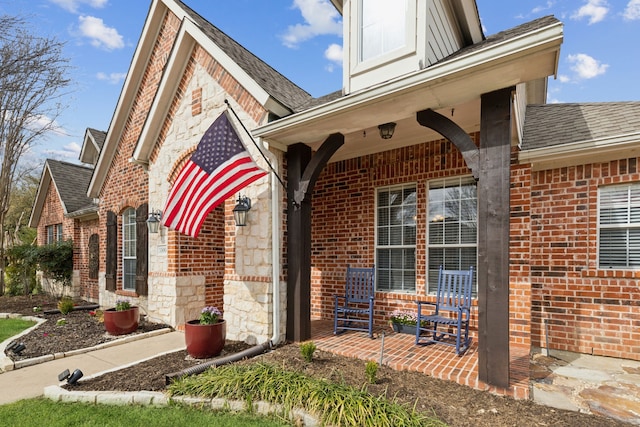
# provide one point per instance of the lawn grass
(40, 412)
(11, 327)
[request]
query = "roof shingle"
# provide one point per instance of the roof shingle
(72, 182)
(556, 124)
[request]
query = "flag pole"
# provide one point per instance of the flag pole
(254, 143)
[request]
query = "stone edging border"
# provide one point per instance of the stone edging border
(298, 417)
(7, 364)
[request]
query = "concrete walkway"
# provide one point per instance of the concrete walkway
(30, 381)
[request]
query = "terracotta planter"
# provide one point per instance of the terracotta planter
(204, 341)
(121, 322)
(401, 328)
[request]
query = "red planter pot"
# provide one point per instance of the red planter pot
(121, 322)
(204, 341)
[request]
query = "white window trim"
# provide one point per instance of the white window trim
(626, 226)
(377, 247)
(124, 242)
(461, 179)
(410, 48)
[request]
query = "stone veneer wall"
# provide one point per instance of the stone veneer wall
(186, 274)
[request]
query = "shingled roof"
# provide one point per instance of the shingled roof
(556, 124)
(99, 136)
(274, 83)
(72, 182)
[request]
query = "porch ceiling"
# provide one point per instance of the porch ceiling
(453, 85)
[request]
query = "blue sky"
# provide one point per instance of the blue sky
(600, 56)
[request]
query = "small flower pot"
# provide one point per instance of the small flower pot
(204, 341)
(402, 328)
(121, 322)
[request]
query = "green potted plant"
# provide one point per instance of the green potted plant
(206, 335)
(121, 319)
(404, 322)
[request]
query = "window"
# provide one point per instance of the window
(396, 239)
(129, 249)
(383, 27)
(54, 233)
(452, 228)
(619, 223)
(94, 256)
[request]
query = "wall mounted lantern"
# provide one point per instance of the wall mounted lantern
(153, 223)
(240, 211)
(386, 130)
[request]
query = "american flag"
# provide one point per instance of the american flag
(220, 166)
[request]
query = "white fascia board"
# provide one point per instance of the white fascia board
(88, 139)
(472, 20)
(138, 65)
(581, 151)
(45, 181)
(167, 87)
(450, 71)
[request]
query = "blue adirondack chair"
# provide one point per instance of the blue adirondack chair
(354, 310)
(451, 312)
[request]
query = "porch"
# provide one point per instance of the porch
(439, 361)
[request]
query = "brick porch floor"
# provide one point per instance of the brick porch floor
(439, 361)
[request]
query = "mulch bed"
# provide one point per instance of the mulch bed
(455, 404)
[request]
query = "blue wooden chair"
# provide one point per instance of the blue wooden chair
(354, 310)
(451, 312)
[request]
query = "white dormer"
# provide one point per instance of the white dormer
(384, 39)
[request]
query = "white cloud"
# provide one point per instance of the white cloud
(334, 53)
(100, 35)
(320, 18)
(73, 5)
(632, 11)
(563, 78)
(586, 67)
(539, 9)
(68, 151)
(595, 10)
(113, 78)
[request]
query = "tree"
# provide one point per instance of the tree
(33, 79)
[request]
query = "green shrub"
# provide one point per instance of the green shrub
(371, 370)
(335, 404)
(56, 261)
(65, 305)
(307, 349)
(21, 269)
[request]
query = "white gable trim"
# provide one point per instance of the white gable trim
(157, 12)
(45, 182)
(187, 39)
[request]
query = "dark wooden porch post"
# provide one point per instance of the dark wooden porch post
(298, 248)
(302, 172)
(493, 238)
(490, 165)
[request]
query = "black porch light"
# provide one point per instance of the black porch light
(153, 223)
(71, 378)
(240, 211)
(386, 130)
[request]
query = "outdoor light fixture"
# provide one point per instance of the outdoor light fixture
(241, 209)
(16, 347)
(153, 223)
(71, 378)
(386, 130)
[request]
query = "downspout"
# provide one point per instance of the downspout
(275, 247)
(275, 276)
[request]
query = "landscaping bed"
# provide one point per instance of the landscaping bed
(454, 404)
